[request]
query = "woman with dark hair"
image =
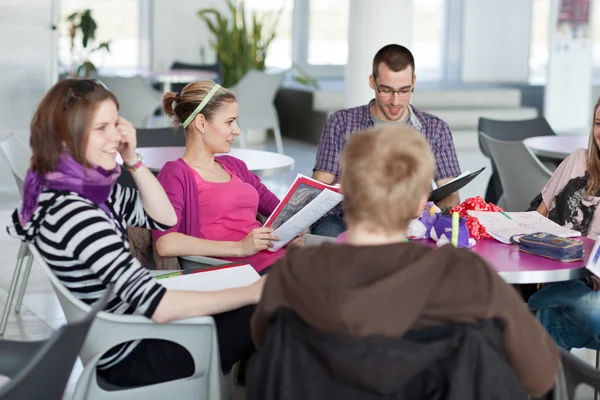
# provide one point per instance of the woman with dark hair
(76, 215)
(570, 310)
(216, 198)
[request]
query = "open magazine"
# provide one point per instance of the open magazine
(305, 202)
(439, 193)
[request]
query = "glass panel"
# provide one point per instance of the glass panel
(117, 21)
(427, 28)
(279, 53)
(540, 34)
(328, 32)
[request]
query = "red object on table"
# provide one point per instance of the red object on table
(477, 203)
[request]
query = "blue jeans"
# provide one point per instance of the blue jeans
(329, 225)
(570, 312)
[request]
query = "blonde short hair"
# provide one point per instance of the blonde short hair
(385, 172)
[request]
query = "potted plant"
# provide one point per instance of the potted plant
(239, 47)
(82, 25)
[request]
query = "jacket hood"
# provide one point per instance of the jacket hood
(375, 293)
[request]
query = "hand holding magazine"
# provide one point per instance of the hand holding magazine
(305, 202)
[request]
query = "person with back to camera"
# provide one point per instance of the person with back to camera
(376, 287)
(76, 216)
(393, 80)
(216, 198)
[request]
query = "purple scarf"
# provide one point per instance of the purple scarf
(95, 184)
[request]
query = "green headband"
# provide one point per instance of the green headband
(201, 105)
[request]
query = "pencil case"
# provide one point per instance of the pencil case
(552, 246)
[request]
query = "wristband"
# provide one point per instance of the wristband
(138, 164)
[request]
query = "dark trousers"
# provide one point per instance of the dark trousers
(155, 361)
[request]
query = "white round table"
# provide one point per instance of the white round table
(558, 147)
(262, 163)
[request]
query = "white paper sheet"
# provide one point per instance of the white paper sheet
(208, 281)
(300, 221)
(502, 226)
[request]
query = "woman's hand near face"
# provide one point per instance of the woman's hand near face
(127, 147)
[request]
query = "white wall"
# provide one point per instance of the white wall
(178, 33)
(27, 60)
(496, 39)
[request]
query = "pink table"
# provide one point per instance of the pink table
(556, 146)
(516, 266)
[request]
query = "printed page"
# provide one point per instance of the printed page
(302, 192)
(503, 225)
(211, 280)
(304, 218)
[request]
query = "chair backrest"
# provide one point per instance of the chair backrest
(160, 137)
(200, 67)
(18, 156)
(513, 131)
(137, 99)
(522, 175)
(574, 372)
(46, 374)
(197, 335)
(255, 94)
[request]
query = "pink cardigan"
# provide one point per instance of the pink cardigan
(179, 183)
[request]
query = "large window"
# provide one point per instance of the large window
(427, 27)
(540, 35)
(280, 51)
(117, 21)
(328, 32)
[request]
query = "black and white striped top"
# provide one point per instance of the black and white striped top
(87, 250)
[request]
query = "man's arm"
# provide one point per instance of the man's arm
(326, 167)
(325, 177)
(450, 201)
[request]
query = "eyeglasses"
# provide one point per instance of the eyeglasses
(389, 92)
(79, 89)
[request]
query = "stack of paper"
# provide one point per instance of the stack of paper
(214, 279)
(503, 225)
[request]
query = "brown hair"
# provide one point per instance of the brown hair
(63, 119)
(593, 159)
(190, 97)
(385, 172)
(395, 57)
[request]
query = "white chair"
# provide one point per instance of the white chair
(521, 173)
(255, 94)
(137, 99)
(197, 335)
(17, 155)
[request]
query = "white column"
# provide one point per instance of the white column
(372, 24)
(496, 40)
(567, 99)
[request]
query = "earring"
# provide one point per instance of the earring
(202, 131)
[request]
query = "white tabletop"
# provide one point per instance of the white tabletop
(262, 163)
(556, 146)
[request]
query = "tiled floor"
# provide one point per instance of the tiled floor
(41, 312)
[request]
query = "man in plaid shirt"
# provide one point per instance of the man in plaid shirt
(393, 81)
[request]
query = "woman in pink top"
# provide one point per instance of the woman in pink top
(216, 199)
